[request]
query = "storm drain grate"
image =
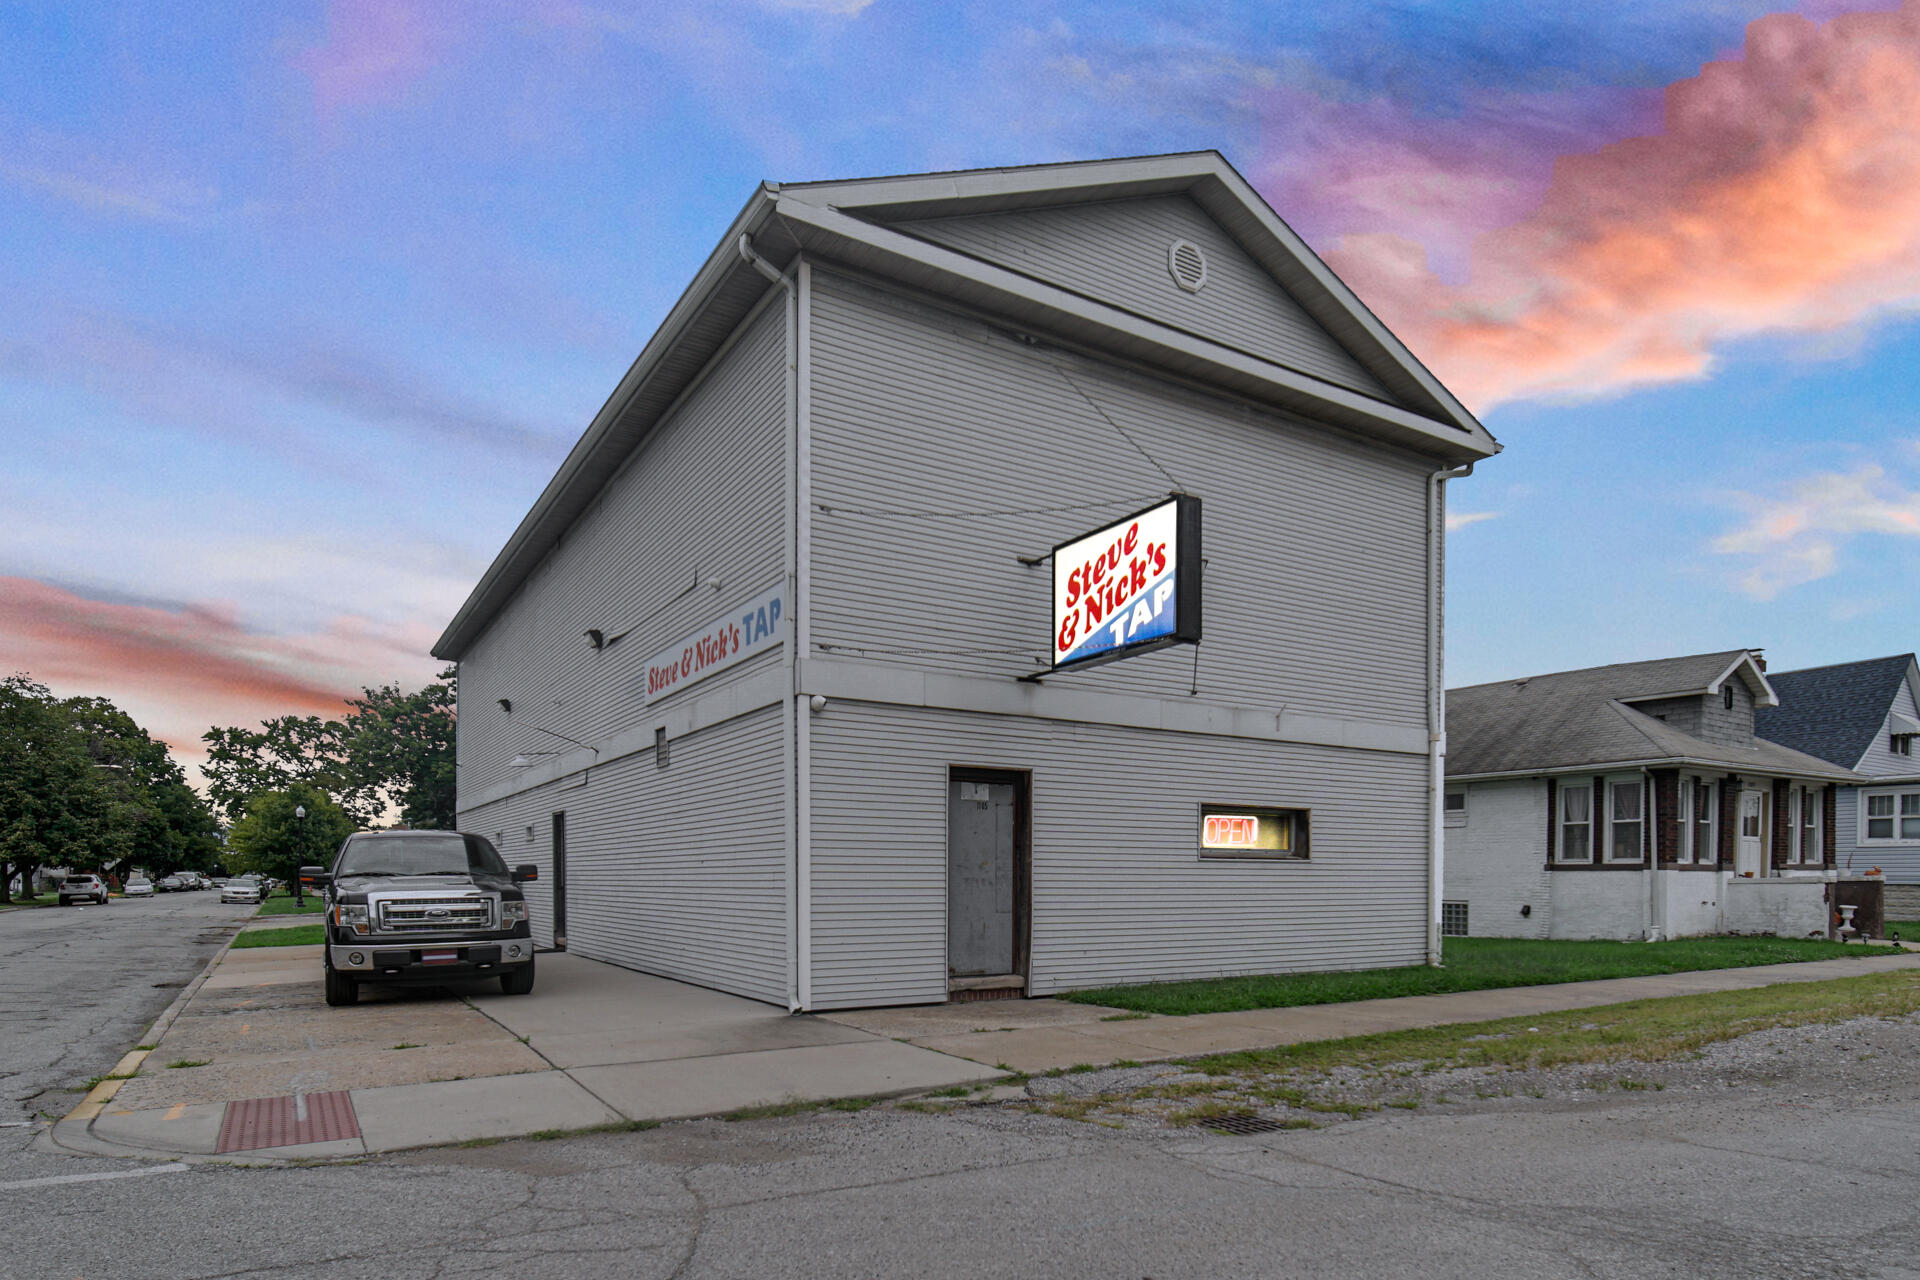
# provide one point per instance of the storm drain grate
(1244, 1122)
(258, 1123)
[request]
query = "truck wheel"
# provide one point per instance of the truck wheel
(341, 989)
(517, 982)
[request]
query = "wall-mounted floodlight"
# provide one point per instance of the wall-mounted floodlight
(506, 704)
(596, 638)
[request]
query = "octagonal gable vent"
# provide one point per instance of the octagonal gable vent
(1187, 265)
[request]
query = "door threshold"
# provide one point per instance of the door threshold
(989, 982)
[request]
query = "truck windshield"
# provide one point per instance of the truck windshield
(450, 854)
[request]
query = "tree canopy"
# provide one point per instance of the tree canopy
(83, 786)
(272, 839)
(393, 751)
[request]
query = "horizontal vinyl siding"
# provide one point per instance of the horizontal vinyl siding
(679, 871)
(1315, 546)
(1116, 252)
(1900, 863)
(1879, 760)
(702, 501)
(1119, 894)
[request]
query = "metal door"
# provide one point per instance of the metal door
(985, 842)
(1748, 848)
(559, 882)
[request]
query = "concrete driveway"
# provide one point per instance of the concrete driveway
(255, 1065)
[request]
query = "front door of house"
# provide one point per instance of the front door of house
(986, 842)
(1749, 851)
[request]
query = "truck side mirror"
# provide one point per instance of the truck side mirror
(524, 872)
(315, 876)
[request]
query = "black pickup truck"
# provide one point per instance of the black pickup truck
(422, 908)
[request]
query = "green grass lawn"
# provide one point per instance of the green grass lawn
(277, 906)
(300, 935)
(49, 900)
(1473, 964)
(1907, 929)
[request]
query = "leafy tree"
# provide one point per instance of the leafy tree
(400, 746)
(270, 840)
(46, 783)
(82, 784)
(392, 751)
(282, 751)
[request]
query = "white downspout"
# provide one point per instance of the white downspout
(795, 747)
(1437, 703)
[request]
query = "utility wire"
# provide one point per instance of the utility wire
(833, 509)
(1140, 448)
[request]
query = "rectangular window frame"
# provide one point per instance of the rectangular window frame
(1616, 824)
(1568, 823)
(1898, 801)
(1299, 826)
(1453, 920)
(1810, 825)
(1706, 822)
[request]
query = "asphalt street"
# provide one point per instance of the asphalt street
(1788, 1154)
(78, 986)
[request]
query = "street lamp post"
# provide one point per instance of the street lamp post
(299, 887)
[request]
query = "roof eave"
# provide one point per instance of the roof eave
(506, 572)
(1070, 316)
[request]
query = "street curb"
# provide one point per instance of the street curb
(73, 1132)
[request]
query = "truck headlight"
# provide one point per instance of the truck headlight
(354, 914)
(513, 912)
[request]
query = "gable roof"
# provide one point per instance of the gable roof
(1835, 712)
(1583, 719)
(847, 222)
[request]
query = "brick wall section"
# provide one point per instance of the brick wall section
(1780, 841)
(1830, 826)
(1729, 818)
(1903, 903)
(1666, 826)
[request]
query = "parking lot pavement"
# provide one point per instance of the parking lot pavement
(256, 1065)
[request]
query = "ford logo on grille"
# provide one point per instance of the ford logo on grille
(438, 913)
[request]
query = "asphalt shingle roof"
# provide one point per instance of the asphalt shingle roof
(1833, 712)
(1575, 719)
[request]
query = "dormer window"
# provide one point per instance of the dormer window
(1901, 744)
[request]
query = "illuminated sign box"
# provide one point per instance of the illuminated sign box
(1128, 588)
(1247, 831)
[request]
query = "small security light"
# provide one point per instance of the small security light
(818, 702)
(522, 760)
(596, 638)
(506, 704)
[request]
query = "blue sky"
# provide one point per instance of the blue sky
(306, 301)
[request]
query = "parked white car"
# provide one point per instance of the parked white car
(83, 888)
(241, 889)
(137, 887)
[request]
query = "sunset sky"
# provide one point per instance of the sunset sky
(301, 304)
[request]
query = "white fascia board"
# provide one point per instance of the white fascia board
(1756, 681)
(984, 190)
(1216, 186)
(722, 263)
(1109, 327)
(1305, 262)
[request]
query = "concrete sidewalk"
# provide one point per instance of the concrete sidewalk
(253, 1066)
(1042, 1035)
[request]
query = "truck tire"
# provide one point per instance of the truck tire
(518, 981)
(340, 988)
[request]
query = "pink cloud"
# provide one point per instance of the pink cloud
(179, 669)
(374, 51)
(1781, 195)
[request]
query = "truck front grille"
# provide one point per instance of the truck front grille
(435, 915)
